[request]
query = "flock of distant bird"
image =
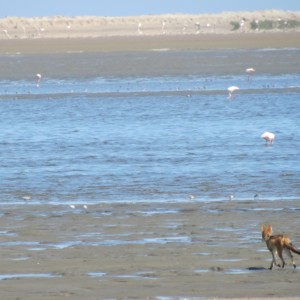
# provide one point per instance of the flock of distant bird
(267, 136)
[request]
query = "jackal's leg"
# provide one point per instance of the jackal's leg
(273, 261)
(290, 255)
(281, 257)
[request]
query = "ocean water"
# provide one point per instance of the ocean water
(149, 132)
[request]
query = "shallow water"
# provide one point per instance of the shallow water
(149, 136)
(27, 275)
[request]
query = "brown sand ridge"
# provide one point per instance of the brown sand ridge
(207, 31)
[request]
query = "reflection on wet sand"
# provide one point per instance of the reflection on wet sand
(198, 249)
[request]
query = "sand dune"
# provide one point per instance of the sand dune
(90, 26)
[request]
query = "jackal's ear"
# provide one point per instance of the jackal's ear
(270, 229)
(263, 227)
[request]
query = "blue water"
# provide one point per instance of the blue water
(149, 138)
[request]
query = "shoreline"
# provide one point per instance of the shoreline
(146, 250)
(147, 56)
(152, 43)
(227, 30)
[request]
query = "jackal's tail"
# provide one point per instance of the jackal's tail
(291, 247)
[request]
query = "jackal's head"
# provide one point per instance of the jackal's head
(266, 232)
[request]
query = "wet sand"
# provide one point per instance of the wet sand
(149, 56)
(179, 55)
(269, 40)
(115, 251)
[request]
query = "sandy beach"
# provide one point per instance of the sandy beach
(152, 43)
(145, 251)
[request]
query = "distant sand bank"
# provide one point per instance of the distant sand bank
(263, 29)
(90, 26)
(152, 43)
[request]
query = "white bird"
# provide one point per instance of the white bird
(38, 79)
(6, 33)
(250, 72)
(231, 91)
(26, 197)
(269, 137)
(140, 28)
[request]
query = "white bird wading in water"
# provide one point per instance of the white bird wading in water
(269, 137)
(231, 91)
(38, 79)
(250, 72)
